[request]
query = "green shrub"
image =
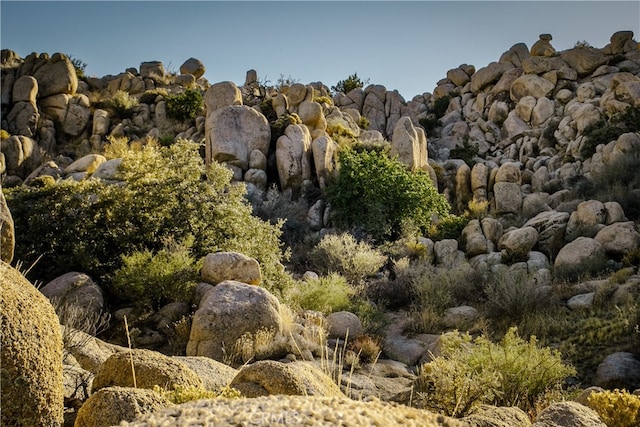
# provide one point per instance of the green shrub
(165, 192)
(182, 394)
(379, 194)
(603, 132)
(441, 105)
(150, 96)
(467, 152)
(123, 105)
(79, 66)
(344, 255)
(151, 280)
(326, 294)
(185, 106)
(616, 407)
(430, 123)
(347, 85)
(470, 372)
(364, 123)
(4, 134)
(449, 227)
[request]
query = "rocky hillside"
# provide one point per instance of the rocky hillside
(537, 154)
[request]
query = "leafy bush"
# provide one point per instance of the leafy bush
(604, 132)
(185, 106)
(150, 96)
(470, 372)
(165, 192)
(182, 394)
(151, 280)
(326, 294)
(429, 123)
(364, 123)
(449, 227)
(367, 348)
(344, 255)
(441, 105)
(616, 407)
(379, 194)
(123, 105)
(347, 85)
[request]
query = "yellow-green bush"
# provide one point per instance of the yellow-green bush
(326, 294)
(470, 372)
(343, 254)
(182, 394)
(616, 407)
(123, 105)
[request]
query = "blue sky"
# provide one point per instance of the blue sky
(405, 46)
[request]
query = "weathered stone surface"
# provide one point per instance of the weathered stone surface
(508, 172)
(107, 170)
(221, 266)
(618, 370)
(112, 405)
(584, 60)
(374, 107)
(21, 155)
(323, 150)
(76, 289)
(228, 311)
(487, 75)
(513, 126)
(311, 115)
(214, 375)
(494, 416)
(508, 197)
(193, 66)
(569, 413)
(57, 75)
(343, 325)
(516, 244)
(23, 119)
(221, 95)
(293, 157)
(233, 132)
(101, 122)
(409, 143)
(446, 252)
(530, 85)
(473, 240)
(77, 117)
(152, 70)
(7, 231)
(581, 301)
(458, 77)
(151, 368)
(583, 255)
(543, 46)
(586, 220)
(622, 42)
(268, 377)
(460, 317)
(619, 238)
(32, 380)
(88, 163)
(515, 55)
(25, 89)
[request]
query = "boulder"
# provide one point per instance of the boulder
(214, 375)
(25, 89)
(151, 369)
(446, 252)
(583, 255)
(228, 311)
(473, 240)
(221, 266)
(193, 66)
(55, 76)
(516, 244)
(75, 289)
(584, 60)
(508, 197)
(112, 405)
(587, 220)
(323, 150)
(31, 355)
(561, 414)
(409, 143)
(312, 411)
(551, 226)
(618, 370)
(619, 238)
(543, 46)
(268, 377)
(312, 116)
(293, 157)
(7, 231)
(221, 95)
(233, 132)
(622, 42)
(100, 122)
(581, 301)
(460, 317)
(343, 325)
(23, 119)
(78, 115)
(89, 351)
(153, 70)
(530, 85)
(88, 164)
(107, 170)
(498, 416)
(77, 383)
(487, 75)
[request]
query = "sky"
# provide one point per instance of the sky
(406, 46)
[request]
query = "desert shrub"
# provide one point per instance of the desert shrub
(182, 394)
(279, 125)
(347, 85)
(185, 106)
(323, 100)
(151, 280)
(326, 294)
(178, 333)
(616, 407)
(632, 258)
(379, 194)
(123, 105)
(441, 105)
(163, 192)
(4, 134)
(364, 123)
(477, 209)
(341, 134)
(430, 123)
(284, 82)
(344, 255)
(366, 347)
(150, 96)
(449, 227)
(603, 132)
(79, 66)
(469, 372)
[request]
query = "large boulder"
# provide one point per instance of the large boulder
(57, 75)
(530, 85)
(551, 226)
(25, 89)
(618, 370)
(233, 132)
(112, 405)
(221, 266)
(343, 325)
(619, 238)
(31, 355)
(473, 240)
(323, 149)
(583, 255)
(293, 157)
(584, 60)
(23, 119)
(487, 75)
(151, 368)
(221, 95)
(587, 220)
(498, 416)
(409, 143)
(561, 414)
(228, 311)
(312, 411)
(508, 197)
(543, 46)
(516, 244)
(269, 377)
(214, 375)
(193, 66)
(75, 289)
(7, 231)
(89, 351)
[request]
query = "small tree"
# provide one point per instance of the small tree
(350, 83)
